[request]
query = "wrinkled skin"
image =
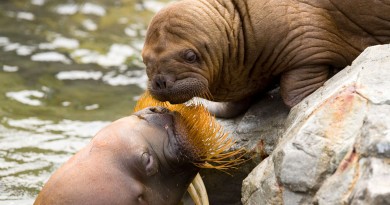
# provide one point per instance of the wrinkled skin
(236, 50)
(134, 160)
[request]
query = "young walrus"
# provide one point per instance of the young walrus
(150, 157)
(234, 50)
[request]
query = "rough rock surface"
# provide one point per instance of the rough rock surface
(335, 148)
(258, 131)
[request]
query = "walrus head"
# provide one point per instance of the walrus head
(150, 157)
(202, 139)
(185, 50)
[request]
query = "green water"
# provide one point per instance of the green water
(67, 68)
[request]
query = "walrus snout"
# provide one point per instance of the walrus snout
(159, 116)
(162, 88)
(161, 82)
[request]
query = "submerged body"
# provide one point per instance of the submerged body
(233, 50)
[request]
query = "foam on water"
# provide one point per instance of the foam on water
(63, 128)
(66, 103)
(153, 6)
(4, 41)
(67, 9)
(89, 25)
(62, 42)
(134, 77)
(38, 2)
(92, 107)
(46, 46)
(87, 8)
(50, 57)
(130, 32)
(26, 97)
(25, 16)
(11, 46)
(116, 56)
(79, 75)
(25, 50)
(94, 9)
(8, 68)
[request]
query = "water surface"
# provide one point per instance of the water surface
(67, 69)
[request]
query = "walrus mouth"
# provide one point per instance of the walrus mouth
(180, 91)
(208, 145)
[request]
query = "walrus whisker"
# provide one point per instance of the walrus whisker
(209, 95)
(206, 94)
(209, 145)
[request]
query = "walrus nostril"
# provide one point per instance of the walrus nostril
(160, 110)
(153, 109)
(160, 82)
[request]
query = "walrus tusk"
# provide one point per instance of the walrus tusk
(197, 191)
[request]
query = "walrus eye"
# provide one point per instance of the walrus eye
(190, 56)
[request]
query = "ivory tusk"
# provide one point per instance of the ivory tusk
(198, 192)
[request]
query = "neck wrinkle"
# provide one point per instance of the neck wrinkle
(237, 27)
(219, 35)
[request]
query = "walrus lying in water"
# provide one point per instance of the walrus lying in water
(150, 157)
(234, 50)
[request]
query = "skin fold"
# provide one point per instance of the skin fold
(135, 160)
(232, 51)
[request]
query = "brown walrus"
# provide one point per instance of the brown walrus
(233, 50)
(149, 157)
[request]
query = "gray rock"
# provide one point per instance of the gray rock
(375, 137)
(373, 184)
(258, 131)
(336, 187)
(304, 158)
(260, 187)
(335, 147)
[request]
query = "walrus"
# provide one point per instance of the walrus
(232, 51)
(150, 157)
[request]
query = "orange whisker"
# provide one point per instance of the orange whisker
(209, 144)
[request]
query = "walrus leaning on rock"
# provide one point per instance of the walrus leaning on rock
(150, 157)
(231, 51)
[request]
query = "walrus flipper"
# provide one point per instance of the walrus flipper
(296, 84)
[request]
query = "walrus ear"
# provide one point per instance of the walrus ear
(149, 163)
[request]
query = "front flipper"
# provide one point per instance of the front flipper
(227, 109)
(296, 84)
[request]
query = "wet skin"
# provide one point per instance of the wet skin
(135, 160)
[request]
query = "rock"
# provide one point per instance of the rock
(258, 131)
(335, 148)
(259, 128)
(261, 186)
(374, 182)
